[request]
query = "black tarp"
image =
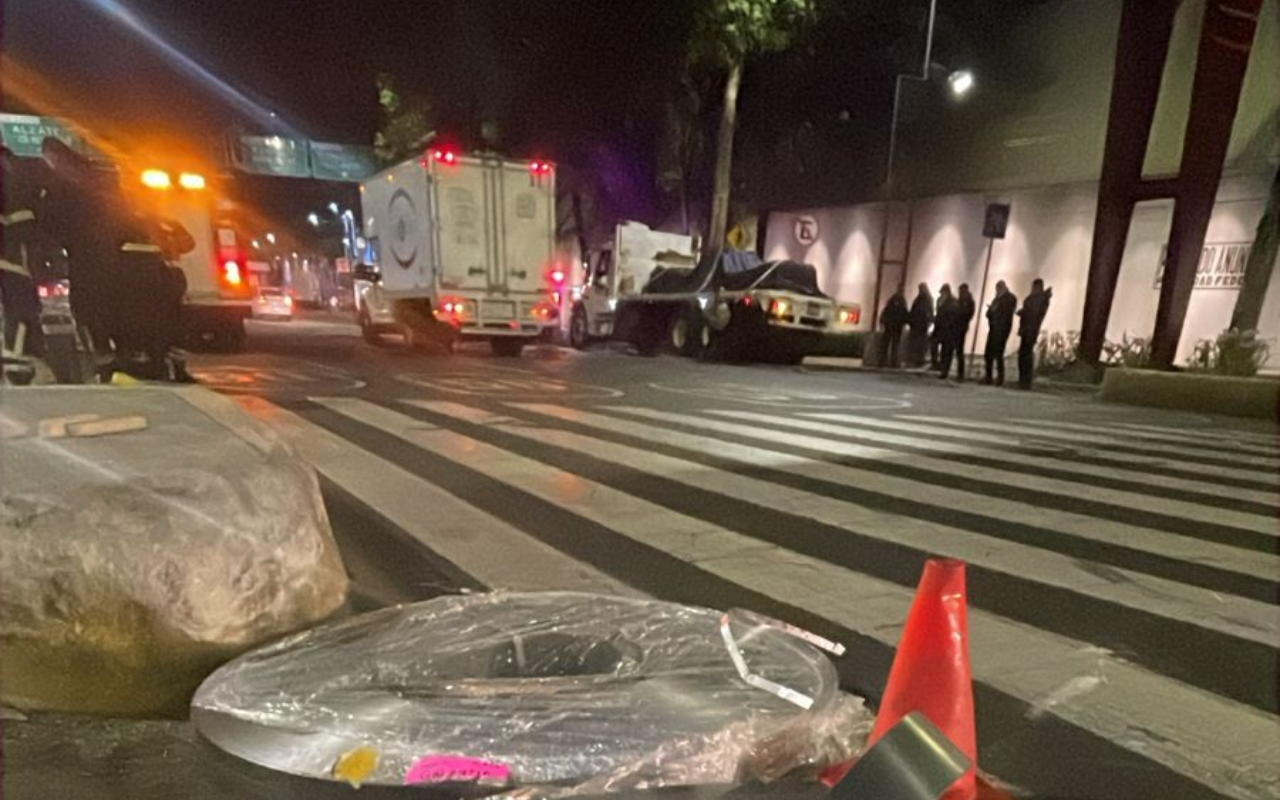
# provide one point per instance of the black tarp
(785, 276)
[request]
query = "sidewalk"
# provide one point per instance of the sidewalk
(839, 364)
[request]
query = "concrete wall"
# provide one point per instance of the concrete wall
(1049, 236)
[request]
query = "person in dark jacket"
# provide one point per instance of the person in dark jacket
(894, 319)
(953, 333)
(919, 318)
(935, 339)
(1031, 317)
(946, 325)
(999, 326)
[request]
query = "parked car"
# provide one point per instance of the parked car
(273, 303)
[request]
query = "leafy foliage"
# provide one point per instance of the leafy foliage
(1234, 352)
(405, 126)
(729, 31)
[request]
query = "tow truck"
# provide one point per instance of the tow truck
(645, 289)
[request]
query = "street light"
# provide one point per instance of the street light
(333, 209)
(314, 219)
(271, 238)
(960, 81)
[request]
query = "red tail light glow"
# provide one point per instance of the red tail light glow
(231, 273)
(42, 290)
(445, 156)
(540, 167)
(557, 277)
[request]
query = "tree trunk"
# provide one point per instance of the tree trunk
(1262, 261)
(719, 225)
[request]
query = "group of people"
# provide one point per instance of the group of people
(938, 329)
(126, 297)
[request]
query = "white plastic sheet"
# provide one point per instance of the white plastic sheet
(570, 693)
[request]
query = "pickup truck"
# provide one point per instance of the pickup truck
(646, 289)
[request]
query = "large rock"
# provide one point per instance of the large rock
(132, 564)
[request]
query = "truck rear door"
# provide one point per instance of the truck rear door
(527, 209)
(468, 243)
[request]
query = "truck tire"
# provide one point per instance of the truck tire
(690, 336)
(507, 347)
(579, 329)
(368, 332)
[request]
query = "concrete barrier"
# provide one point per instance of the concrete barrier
(1191, 391)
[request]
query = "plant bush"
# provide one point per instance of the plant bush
(1234, 352)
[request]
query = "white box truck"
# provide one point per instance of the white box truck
(464, 247)
(644, 289)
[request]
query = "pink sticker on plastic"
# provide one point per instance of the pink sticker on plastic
(457, 769)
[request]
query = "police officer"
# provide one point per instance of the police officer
(999, 326)
(1031, 318)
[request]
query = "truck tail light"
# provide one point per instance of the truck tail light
(540, 167)
(231, 273)
(780, 308)
(850, 316)
(557, 277)
(445, 156)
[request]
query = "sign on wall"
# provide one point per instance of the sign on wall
(996, 221)
(806, 230)
(1221, 265)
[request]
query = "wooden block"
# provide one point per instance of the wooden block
(56, 427)
(106, 427)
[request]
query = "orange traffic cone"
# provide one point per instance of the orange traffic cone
(930, 672)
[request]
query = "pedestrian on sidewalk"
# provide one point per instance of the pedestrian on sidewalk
(999, 326)
(894, 319)
(946, 330)
(968, 307)
(919, 318)
(935, 339)
(1031, 317)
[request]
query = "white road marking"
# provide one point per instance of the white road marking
(533, 386)
(782, 397)
(1219, 436)
(495, 553)
(1234, 616)
(1043, 431)
(997, 452)
(1267, 441)
(1158, 505)
(1195, 733)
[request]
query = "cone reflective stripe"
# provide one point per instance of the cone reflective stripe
(930, 672)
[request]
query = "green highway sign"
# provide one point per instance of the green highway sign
(342, 162)
(274, 155)
(24, 134)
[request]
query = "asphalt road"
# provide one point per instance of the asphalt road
(1122, 563)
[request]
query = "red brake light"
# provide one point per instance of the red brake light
(557, 277)
(746, 301)
(231, 273)
(288, 301)
(540, 167)
(42, 290)
(445, 156)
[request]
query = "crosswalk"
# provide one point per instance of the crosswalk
(1124, 582)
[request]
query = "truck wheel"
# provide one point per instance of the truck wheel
(236, 337)
(507, 347)
(579, 333)
(368, 332)
(689, 334)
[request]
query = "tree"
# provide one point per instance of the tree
(725, 34)
(1261, 263)
(405, 127)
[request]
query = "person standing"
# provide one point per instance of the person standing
(894, 319)
(968, 307)
(935, 339)
(945, 330)
(1031, 317)
(919, 318)
(999, 326)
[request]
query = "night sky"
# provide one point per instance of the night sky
(581, 81)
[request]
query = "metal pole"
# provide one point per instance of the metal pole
(977, 327)
(897, 92)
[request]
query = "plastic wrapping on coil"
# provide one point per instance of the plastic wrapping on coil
(568, 693)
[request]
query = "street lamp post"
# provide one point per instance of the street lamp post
(960, 82)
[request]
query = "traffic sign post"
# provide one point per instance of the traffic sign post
(994, 226)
